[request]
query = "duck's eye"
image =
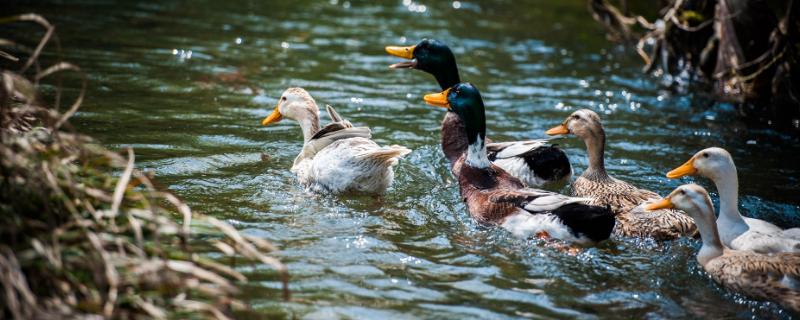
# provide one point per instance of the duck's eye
(576, 117)
(682, 192)
(705, 155)
(283, 98)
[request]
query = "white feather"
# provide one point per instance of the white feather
(552, 202)
(476, 154)
(523, 224)
(514, 148)
(518, 168)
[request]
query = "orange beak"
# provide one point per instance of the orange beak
(275, 116)
(557, 130)
(402, 52)
(663, 204)
(684, 170)
(438, 99)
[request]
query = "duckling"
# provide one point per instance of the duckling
(623, 198)
(337, 158)
(773, 277)
(535, 162)
(736, 232)
(495, 197)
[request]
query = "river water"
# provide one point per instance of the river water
(186, 84)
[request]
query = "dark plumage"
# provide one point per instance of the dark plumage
(494, 196)
(532, 161)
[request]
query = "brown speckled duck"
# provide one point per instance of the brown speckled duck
(493, 196)
(774, 277)
(623, 198)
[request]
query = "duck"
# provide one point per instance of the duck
(338, 158)
(495, 197)
(536, 163)
(624, 199)
(773, 277)
(736, 231)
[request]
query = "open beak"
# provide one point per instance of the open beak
(405, 53)
(558, 130)
(275, 116)
(438, 99)
(684, 170)
(663, 204)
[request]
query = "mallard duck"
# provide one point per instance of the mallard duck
(535, 162)
(493, 196)
(337, 158)
(736, 232)
(623, 198)
(774, 277)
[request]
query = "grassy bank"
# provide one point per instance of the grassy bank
(82, 231)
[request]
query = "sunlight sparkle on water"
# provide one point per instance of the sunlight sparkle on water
(456, 4)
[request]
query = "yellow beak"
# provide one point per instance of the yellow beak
(559, 129)
(402, 52)
(438, 99)
(663, 204)
(275, 116)
(684, 170)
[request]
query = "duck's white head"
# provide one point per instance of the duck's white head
(712, 163)
(583, 123)
(295, 104)
(693, 200)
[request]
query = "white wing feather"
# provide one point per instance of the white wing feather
(514, 148)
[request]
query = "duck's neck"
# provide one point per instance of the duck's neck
(454, 138)
(476, 154)
(727, 184)
(309, 122)
(712, 246)
(595, 147)
(447, 77)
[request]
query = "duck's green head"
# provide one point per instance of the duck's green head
(431, 56)
(465, 100)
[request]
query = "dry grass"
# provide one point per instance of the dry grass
(83, 233)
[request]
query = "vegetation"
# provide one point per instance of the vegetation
(740, 48)
(82, 232)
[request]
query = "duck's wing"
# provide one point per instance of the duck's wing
(773, 277)
(336, 118)
(793, 233)
(583, 221)
(765, 242)
(329, 134)
(504, 150)
(534, 200)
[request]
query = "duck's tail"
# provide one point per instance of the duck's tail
(386, 156)
(594, 222)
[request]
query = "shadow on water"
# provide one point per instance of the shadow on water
(187, 83)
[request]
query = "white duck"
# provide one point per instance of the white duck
(338, 158)
(736, 232)
(774, 277)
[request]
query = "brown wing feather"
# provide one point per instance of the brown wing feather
(625, 200)
(759, 276)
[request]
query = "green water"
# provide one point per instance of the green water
(194, 119)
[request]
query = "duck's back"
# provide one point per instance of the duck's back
(774, 277)
(617, 194)
(625, 201)
(476, 185)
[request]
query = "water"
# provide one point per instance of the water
(187, 83)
